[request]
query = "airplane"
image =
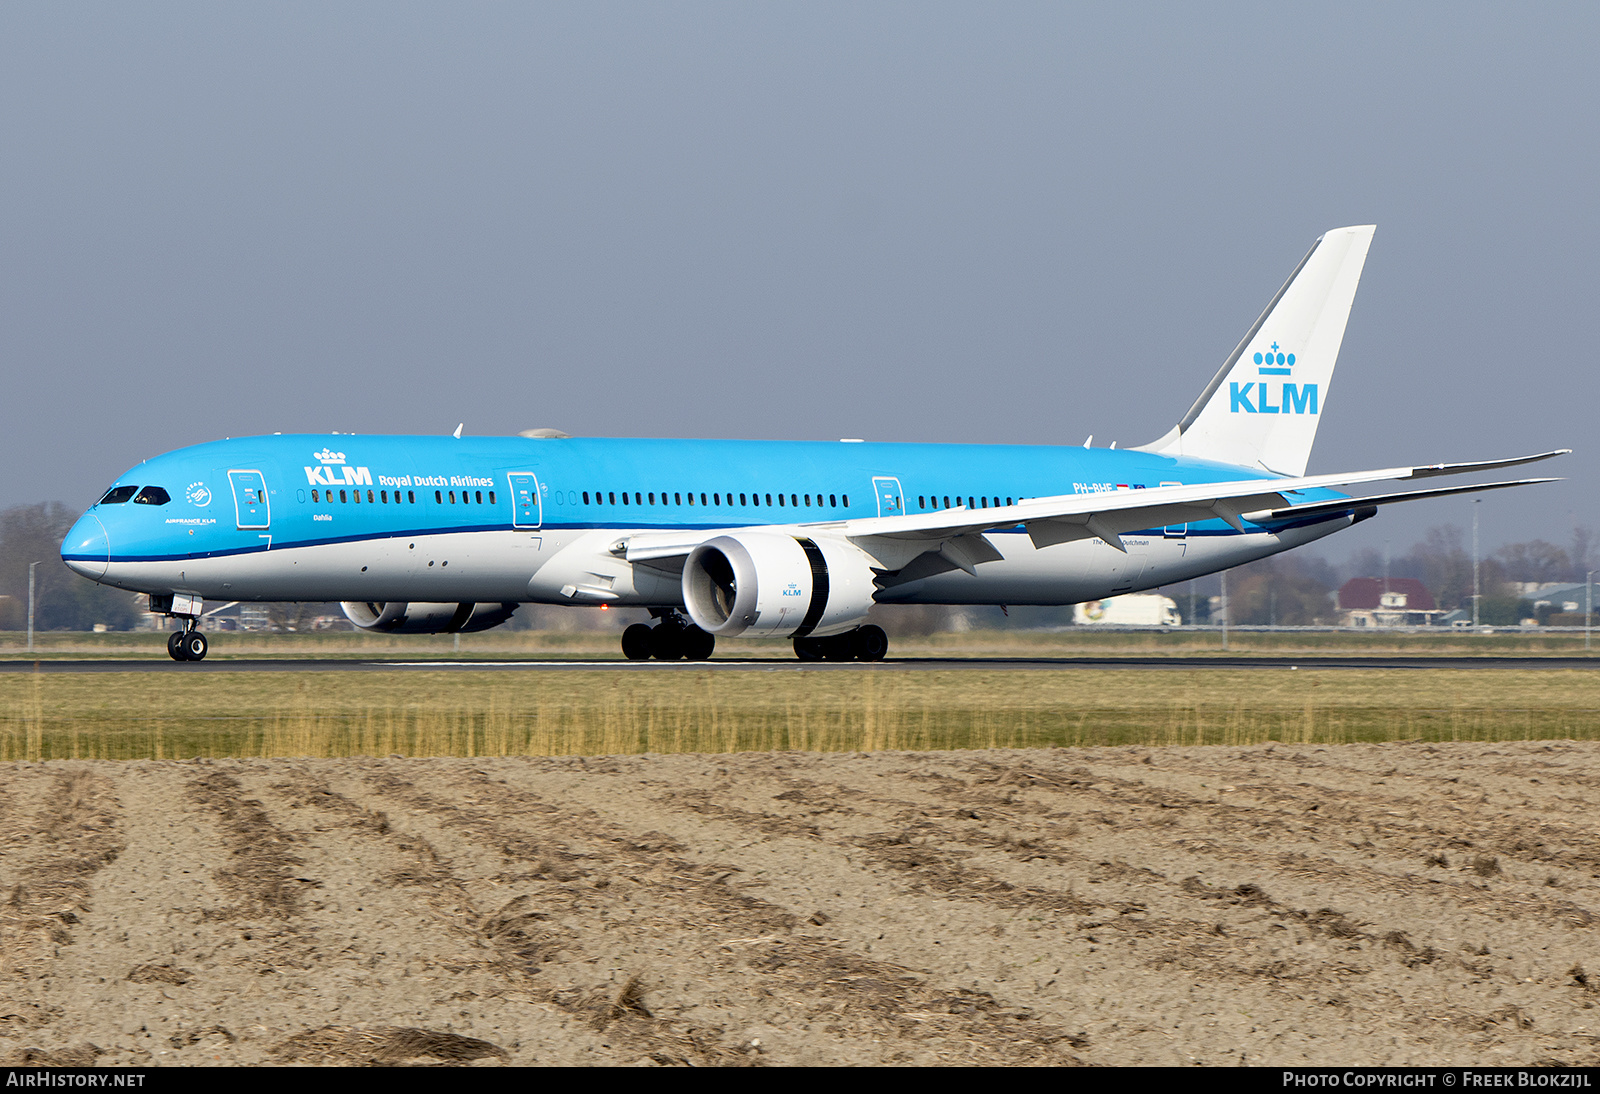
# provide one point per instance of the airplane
(736, 538)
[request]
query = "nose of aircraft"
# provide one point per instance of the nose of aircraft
(87, 549)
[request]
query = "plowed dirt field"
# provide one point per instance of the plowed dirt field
(1354, 904)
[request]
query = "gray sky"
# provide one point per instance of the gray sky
(921, 222)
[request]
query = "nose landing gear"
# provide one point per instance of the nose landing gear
(672, 639)
(188, 644)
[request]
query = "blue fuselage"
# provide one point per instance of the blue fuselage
(359, 518)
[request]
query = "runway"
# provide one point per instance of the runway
(1170, 664)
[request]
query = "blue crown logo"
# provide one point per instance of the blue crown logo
(1275, 363)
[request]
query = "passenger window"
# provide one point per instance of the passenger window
(691, 499)
(624, 497)
(438, 498)
(638, 499)
(742, 500)
(652, 497)
(833, 502)
(477, 496)
(612, 497)
(314, 495)
(846, 498)
(152, 495)
(343, 499)
(491, 497)
(677, 499)
(411, 496)
(780, 501)
(808, 501)
(369, 498)
(1010, 502)
(716, 499)
(586, 497)
(118, 494)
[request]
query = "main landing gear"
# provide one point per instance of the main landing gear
(867, 643)
(187, 645)
(674, 638)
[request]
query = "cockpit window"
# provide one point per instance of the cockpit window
(152, 495)
(118, 494)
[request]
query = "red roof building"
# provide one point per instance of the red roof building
(1386, 602)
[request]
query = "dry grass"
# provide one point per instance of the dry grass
(131, 716)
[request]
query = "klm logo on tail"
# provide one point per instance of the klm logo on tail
(1290, 398)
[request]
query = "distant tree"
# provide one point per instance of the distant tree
(63, 599)
(1444, 567)
(1283, 590)
(1583, 551)
(1535, 560)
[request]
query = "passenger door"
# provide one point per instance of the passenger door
(526, 512)
(890, 501)
(250, 505)
(1175, 531)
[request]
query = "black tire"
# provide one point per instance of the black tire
(697, 644)
(840, 647)
(194, 646)
(636, 642)
(870, 643)
(175, 646)
(810, 649)
(666, 642)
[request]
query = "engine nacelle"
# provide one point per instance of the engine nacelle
(764, 583)
(401, 617)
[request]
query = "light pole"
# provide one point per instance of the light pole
(31, 567)
(1475, 502)
(1588, 606)
(1224, 609)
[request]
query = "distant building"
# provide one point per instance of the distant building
(1386, 602)
(1561, 598)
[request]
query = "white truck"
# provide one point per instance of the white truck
(1133, 610)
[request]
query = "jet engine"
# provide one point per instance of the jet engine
(400, 617)
(763, 583)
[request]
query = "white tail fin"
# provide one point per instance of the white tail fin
(1261, 410)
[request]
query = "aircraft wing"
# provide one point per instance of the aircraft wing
(957, 534)
(1080, 516)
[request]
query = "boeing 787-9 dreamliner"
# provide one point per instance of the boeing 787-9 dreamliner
(727, 539)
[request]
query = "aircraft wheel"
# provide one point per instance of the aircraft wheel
(870, 643)
(809, 649)
(840, 647)
(666, 642)
(697, 644)
(194, 646)
(636, 642)
(175, 646)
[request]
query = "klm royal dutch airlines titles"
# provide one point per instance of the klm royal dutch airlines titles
(721, 539)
